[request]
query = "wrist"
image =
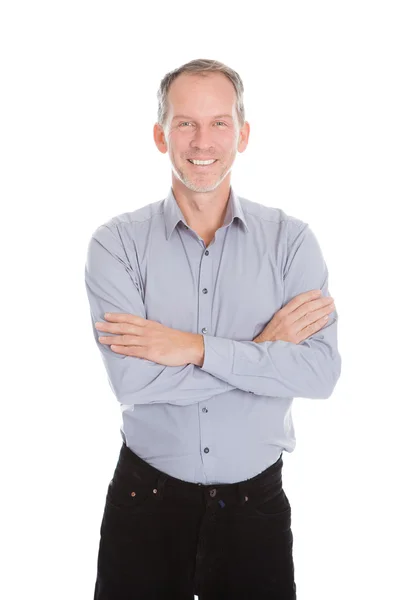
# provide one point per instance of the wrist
(198, 349)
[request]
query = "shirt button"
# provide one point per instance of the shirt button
(205, 409)
(204, 330)
(205, 291)
(206, 253)
(206, 450)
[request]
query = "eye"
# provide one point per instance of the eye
(185, 122)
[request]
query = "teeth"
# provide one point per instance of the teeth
(201, 162)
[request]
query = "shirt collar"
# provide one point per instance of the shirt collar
(173, 214)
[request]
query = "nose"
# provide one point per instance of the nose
(202, 138)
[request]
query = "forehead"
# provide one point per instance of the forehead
(209, 96)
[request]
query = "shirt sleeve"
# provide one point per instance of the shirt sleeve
(112, 286)
(309, 369)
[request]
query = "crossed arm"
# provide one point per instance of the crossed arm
(184, 368)
(144, 338)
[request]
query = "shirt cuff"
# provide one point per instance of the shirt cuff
(218, 356)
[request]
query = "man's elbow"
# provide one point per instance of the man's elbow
(331, 379)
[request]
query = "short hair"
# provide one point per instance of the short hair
(200, 66)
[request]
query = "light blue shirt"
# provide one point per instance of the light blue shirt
(231, 418)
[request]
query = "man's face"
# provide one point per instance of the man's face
(202, 124)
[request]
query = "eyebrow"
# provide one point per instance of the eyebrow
(188, 117)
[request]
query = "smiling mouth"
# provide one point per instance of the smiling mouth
(202, 166)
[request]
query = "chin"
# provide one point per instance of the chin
(207, 187)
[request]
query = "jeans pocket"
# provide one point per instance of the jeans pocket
(128, 495)
(275, 508)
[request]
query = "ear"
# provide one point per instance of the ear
(159, 138)
(243, 137)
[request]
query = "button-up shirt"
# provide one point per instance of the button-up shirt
(229, 419)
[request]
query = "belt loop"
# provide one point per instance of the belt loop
(160, 485)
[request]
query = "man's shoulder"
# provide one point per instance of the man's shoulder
(139, 215)
(269, 214)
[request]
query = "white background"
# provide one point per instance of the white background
(78, 105)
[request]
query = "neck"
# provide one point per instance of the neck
(204, 212)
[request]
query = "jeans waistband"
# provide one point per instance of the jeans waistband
(267, 482)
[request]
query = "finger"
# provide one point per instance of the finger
(124, 318)
(136, 351)
(122, 340)
(318, 311)
(122, 328)
(313, 327)
(311, 311)
(302, 298)
(121, 349)
(321, 303)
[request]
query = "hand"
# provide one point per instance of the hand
(151, 340)
(298, 319)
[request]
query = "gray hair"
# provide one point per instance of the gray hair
(200, 66)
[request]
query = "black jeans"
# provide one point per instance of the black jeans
(162, 537)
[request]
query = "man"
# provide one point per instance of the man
(220, 314)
